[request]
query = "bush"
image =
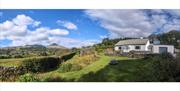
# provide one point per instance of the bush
(53, 78)
(41, 64)
(68, 56)
(77, 63)
(28, 78)
(10, 73)
(162, 67)
(66, 67)
(93, 77)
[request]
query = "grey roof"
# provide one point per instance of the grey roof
(133, 42)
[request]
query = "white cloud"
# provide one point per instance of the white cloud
(36, 23)
(23, 20)
(71, 42)
(103, 36)
(17, 31)
(58, 32)
(67, 24)
(6, 25)
(133, 23)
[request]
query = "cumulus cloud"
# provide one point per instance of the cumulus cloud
(6, 25)
(22, 20)
(135, 23)
(18, 32)
(67, 24)
(71, 42)
(59, 32)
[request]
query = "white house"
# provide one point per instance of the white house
(142, 45)
(162, 48)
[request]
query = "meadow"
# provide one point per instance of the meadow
(96, 68)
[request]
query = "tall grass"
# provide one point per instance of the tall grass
(77, 63)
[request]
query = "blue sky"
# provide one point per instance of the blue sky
(76, 28)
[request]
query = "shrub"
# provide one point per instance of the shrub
(65, 67)
(68, 56)
(41, 64)
(162, 67)
(93, 77)
(77, 63)
(28, 78)
(53, 78)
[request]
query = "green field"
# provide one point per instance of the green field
(15, 62)
(127, 70)
(97, 66)
(11, 62)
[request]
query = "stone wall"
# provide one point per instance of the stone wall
(10, 73)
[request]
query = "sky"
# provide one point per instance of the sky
(77, 28)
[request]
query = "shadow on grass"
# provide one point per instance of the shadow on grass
(67, 57)
(125, 71)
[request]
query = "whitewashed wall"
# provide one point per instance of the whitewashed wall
(170, 48)
(132, 47)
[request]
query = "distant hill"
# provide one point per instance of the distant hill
(34, 46)
(56, 46)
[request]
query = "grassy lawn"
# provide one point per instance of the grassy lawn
(126, 70)
(11, 62)
(94, 67)
(76, 75)
(14, 61)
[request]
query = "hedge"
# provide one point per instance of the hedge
(44, 64)
(41, 64)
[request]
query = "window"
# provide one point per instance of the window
(137, 47)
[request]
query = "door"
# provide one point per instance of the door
(162, 49)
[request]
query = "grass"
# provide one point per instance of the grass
(76, 75)
(11, 62)
(77, 63)
(15, 62)
(94, 67)
(127, 70)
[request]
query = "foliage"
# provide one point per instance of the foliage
(93, 67)
(41, 64)
(31, 51)
(165, 67)
(28, 78)
(53, 78)
(10, 73)
(77, 63)
(68, 56)
(170, 38)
